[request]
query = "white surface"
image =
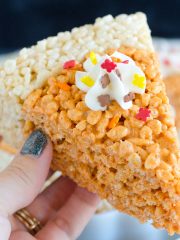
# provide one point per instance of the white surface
(5, 159)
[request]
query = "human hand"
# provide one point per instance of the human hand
(64, 209)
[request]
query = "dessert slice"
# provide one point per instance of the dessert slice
(98, 94)
(173, 91)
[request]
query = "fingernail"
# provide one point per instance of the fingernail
(35, 144)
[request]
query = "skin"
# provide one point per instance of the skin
(64, 209)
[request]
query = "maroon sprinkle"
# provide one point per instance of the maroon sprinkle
(130, 96)
(125, 62)
(105, 81)
(104, 100)
(118, 73)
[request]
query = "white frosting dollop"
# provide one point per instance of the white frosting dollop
(122, 75)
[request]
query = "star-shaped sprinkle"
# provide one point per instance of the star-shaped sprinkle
(139, 81)
(108, 65)
(87, 80)
(93, 58)
(143, 114)
(69, 64)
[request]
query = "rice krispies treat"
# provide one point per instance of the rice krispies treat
(135, 165)
(32, 67)
(173, 91)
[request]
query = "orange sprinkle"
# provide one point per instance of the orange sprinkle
(117, 60)
(63, 86)
(113, 122)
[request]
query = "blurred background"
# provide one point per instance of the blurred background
(24, 22)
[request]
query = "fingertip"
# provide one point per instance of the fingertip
(47, 152)
(35, 144)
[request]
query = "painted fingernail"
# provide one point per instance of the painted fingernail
(35, 144)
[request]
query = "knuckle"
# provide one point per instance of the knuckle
(63, 225)
(88, 198)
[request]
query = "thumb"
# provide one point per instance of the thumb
(23, 179)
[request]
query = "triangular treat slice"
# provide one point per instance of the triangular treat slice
(98, 94)
(173, 91)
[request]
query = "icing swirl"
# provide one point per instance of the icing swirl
(107, 78)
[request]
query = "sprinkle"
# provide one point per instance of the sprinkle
(108, 65)
(117, 60)
(143, 114)
(69, 64)
(88, 81)
(125, 61)
(130, 96)
(166, 62)
(105, 81)
(104, 100)
(113, 122)
(93, 58)
(118, 74)
(63, 86)
(138, 81)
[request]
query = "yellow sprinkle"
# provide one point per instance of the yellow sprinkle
(93, 58)
(88, 81)
(138, 81)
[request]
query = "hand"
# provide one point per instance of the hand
(64, 209)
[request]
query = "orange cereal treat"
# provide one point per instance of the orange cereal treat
(104, 107)
(173, 91)
(128, 156)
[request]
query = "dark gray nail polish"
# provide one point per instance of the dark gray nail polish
(35, 143)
